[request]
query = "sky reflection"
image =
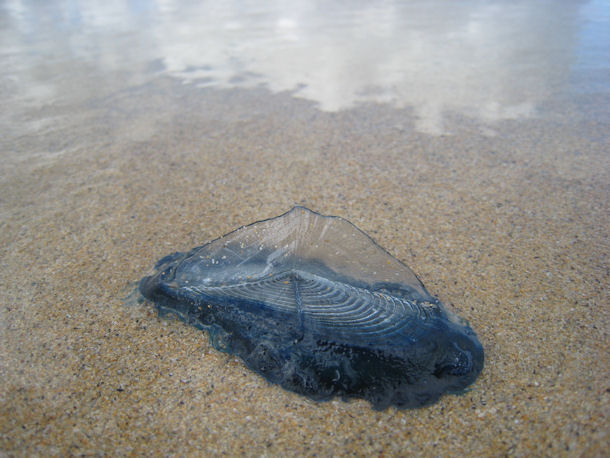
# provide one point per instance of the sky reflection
(488, 60)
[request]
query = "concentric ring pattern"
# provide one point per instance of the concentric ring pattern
(325, 304)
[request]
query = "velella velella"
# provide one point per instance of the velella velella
(315, 305)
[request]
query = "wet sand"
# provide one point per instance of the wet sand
(471, 143)
(508, 228)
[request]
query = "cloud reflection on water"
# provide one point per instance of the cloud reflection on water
(488, 60)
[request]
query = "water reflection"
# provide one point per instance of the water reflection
(489, 60)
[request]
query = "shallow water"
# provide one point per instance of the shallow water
(491, 61)
(470, 140)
